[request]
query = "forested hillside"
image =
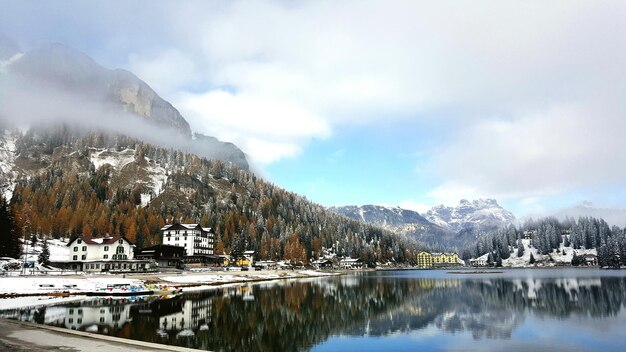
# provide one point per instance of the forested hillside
(71, 182)
(548, 236)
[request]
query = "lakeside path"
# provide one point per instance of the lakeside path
(17, 336)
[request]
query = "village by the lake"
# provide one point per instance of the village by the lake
(281, 176)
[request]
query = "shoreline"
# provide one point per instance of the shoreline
(47, 290)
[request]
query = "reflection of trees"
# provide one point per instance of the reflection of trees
(494, 308)
(296, 315)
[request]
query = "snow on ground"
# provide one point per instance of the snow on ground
(7, 161)
(44, 285)
(158, 175)
(114, 158)
(543, 260)
(158, 179)
(217, 277)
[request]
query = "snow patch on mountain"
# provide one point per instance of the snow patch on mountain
(7, 163)
(480, 215)
(114, 158)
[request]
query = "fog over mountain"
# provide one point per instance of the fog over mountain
(613, 216)
(57, 84)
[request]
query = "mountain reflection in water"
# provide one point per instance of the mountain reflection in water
(298, 315)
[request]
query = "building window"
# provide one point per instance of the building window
(75, 249)
(84, 248)
(120, 249)
(83, 257)
(97, 266)
(106, 248)
(79, 241)
(106, 256)
(120, 241)
(75, 257)
(114, 256)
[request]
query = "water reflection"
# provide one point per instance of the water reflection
(297, 315)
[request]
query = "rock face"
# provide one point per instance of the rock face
(477, 216)
(59, 67)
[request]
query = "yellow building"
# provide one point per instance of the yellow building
(428, 260)
(424, 260)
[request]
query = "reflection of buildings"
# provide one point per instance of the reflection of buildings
(194, 313)
(97, 317)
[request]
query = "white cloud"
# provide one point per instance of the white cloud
(267, 130)
(532, 91)
(535, 155)
(415, 206)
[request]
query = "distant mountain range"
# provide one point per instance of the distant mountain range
(446, 226)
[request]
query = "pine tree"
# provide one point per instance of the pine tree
(44, 256)
(532, 259)
(520, 249)
(9, 241)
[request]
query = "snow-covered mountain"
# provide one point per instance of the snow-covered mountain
(446, 226)
(477, 216)
(389, 216)
(396, 219)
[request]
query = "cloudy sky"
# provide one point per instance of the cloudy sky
(411, 103)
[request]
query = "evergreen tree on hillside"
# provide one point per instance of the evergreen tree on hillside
(9, 241)
(520, 249)
(44, 256)
(532, 259)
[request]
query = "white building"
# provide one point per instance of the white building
(105, 248)
(102, 254)
(196, 240)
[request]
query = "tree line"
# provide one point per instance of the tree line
(548, 234)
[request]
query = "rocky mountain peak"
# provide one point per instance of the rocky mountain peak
(481, 215)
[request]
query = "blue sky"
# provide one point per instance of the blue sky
(384, 102)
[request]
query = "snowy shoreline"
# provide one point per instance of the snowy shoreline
(23, 291)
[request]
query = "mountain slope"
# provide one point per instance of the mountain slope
(72, 184)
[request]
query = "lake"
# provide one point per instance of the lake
(431, 310)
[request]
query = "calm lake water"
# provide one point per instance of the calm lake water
(431, 310)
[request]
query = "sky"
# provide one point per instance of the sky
(410, 103)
